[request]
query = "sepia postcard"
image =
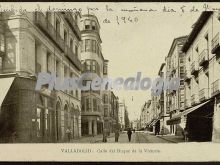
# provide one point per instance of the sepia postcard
(107, 81)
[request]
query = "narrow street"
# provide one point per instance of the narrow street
(137, 137)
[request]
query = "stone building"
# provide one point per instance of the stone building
(175, 99)
(121, 115)
(202, 85)
(93, 62)
(31, 43)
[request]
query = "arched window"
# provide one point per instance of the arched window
(87, 24)
(93, 25)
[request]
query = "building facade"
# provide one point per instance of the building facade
(121, 115)
(202, 79)
(93, 62)
(175, 99)
(32, 43)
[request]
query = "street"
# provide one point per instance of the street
(137, 137)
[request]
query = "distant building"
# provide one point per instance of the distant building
(121, 115)
(175, 99)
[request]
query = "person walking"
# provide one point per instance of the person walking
(129, 132)
(68, 133)
(105, 134)
(116, 135)
(186, 135)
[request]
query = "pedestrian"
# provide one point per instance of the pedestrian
(129, 132)
(105, 134)
(68, 133)
(134, 130)
(186, 135)
(116, 135)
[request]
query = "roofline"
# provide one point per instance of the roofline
(92, 15)
(197, 28)
(161, 68)
(174, 43)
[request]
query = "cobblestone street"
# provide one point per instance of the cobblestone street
(138, 137)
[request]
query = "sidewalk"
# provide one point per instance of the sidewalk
(172, 138)
(90, 139)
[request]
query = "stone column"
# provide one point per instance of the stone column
(90, 127)
(95, 127)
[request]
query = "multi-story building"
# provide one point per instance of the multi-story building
(93, 62)
(147, 115)
(163, 115)
(31, 43)
(114, 112)
(202, 79)
(121, 115)
(175, 68)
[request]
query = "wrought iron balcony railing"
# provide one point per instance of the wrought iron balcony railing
(73, 24)
(194, 99)
(203, 94)
(49, 30)
(203, 57)
(72, 57)
(215, 87)
(194, 67)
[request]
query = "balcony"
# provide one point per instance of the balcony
(194, 68)
(194, 99)
(187, 103)
(203, 94)
(215, 87)
(215, 44)
(187, 76)
(48, 29)
(203, 57)
(73, 24)
(72, 57)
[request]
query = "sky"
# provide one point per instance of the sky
(138, 46)
(141, 47)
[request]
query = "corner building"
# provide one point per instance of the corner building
(93, 62)
(31, 43)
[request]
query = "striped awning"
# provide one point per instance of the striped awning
(176, 119)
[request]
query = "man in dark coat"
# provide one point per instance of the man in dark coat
(129, 132)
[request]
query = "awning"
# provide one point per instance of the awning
(176, 119)
(5, 84)
(153, 122)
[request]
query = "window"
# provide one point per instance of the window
(88, 65)
(76, 51)
(87, 24)
(93, 25)
(88, 45)
(57, 68)
(77, 93)
(181, 60)
(48, 16)
(105, 98)
(105, 70)
(57, 26)
(94, 105)
(88, 104)
(71, 44)
(94, 66)
(106, 112)
(65, 37)
(97, 49)
(48, 62)
(94, 46)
